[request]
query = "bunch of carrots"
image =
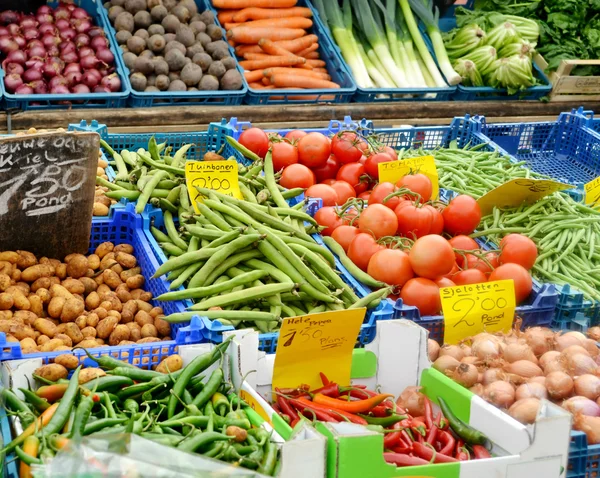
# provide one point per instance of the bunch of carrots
(272, 37)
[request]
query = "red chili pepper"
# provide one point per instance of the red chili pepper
(459, 444)
(428, 413)
(294, 422)
(276, 408)
(285, 417)
(480, 452)
(96, 398)
(359, 386)
(428, 453)
(417, 423)
(400, 459)
(432, 435)
(286, 407)
(406, 437)
(406, 450)
(312, 412)
(336, 412)
(463, 455)
(331, 390)
(447, 441)
(324, 379)
(380, 411)
(392, 439)
(358, 406)
(357, 392)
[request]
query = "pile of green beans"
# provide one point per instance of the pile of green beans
(182, 409)
(567, 234)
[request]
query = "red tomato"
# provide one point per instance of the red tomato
(418, 184)
(283, 154)
(413, 221)
(344, 191)
(363, 146)
(444, 282)
(295, 135)
(256, 140)
(363, 160)
(366, 195)
(372, 162)
(437, 221)
(424, 294)
(353, 174)
(470, 276)
(390, 266)
(328, 217)
(455, 269)
(328, 171)
(326, 193)
(518, 249)
(391, 152)
(381, 191)
(463, 243)
(344, 235)
(329, 182)
(520, 276)
(297, 176)
(431, 256)
(461, 215)
(474, 262)
(378, 220)
(314, 150)
(350, 217)
(362, 248)
(344, 146)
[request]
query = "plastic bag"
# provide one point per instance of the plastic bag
(131, 456)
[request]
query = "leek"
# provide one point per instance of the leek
(423, 68)
(412, 66)
(378, 78)
(430, 21)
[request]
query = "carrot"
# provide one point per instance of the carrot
(313, 55)
(229, 26)
(259, 86)
(266, 81)
(294, 71)
(256, 56)
(252, 76)
(59, 442)
(288, 22)
(320, 70)
(262, 13)
(269, 62)
(240, 50)
(252, 35)
(310, 49)
(226, 15)
(316, 63)
(272, 49)
(239, 4)
(298, 44)
(231, 43)
(31, 447)
(298, 81)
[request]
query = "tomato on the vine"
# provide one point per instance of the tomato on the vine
(383, 190)
(486, 266)
(329, 218)
(372, 163)
(344, 235)
(463, 243)
(431, 256)
(295, 135)
(444, 282)
(461, 215)
(365, 195)
(413, 220)
(362, 248)
(353, 174)
(283, 154)
(518, 249)
(418, 184)
(424, 294)
(256, 140)
(344, 191)
(297, 176)
(344, 146)
(328, 170)
(326, 193)
(520, 276)
(314, 150)
(390, 266)
(469, 276)
(378, 220)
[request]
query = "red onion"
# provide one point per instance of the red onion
(101, 89)
(36, 52)
(95, 31)
(19, 40)
(31, 34)
(73, 77)
(90, 79)
(44, 18)
(32, 75)
(4, 32)
(37, 63)
(89, 61)
(61, 24)
(44, 9)
(39, 87)
(12, 82)
(525, 410)
(105, 56)
(98, 42)
(96, 73)
(67, 34)
(46, 28)
(69, 56)
(17, 56)
(82, 40)
(13, 29)
(28, 21)
(70, 7)
(59, 90)
(79, 13)
(85, 51)
(7, 45)
(9, 16)
(33, 43)
(83, 26)
(24, 90)
(52, 67)
(112, 82)
(14, 68)
(72, 67)
(49, 40)
(582, 405)
(80, 89)
(67, 46)
(62, 12)
(412, 401)
(52, 51)
(58, 81)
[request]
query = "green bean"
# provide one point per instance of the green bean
(247, 193)
(147, 191)
(161, 166)
(242, 149)
(204, 232)
(246, 315)
(372, 298)
(183, 260)
(194, 293)
(172, 231)
(179, 157)
(226, 238)
(271, 183)
(268, 220)
(171, 249)
(292, 193)
(213, 217)
(247, 295)
(123, 193)
(112, 186)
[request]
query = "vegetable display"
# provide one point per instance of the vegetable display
(515, 371)
(57, 51)
(413, 433)
(383, 45)
(48, 305)
(275, 44)
(177, 407)
(170, 46)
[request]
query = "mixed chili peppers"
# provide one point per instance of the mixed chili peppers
(183, 409)
(408, 441)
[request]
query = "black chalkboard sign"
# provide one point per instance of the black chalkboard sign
(47, 184)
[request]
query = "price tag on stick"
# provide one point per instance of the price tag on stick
(315, 343)
(592, 192)
(392, 171)
(471, 309)
(221, 176)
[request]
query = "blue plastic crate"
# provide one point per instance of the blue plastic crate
(145, 99)
(89, 100)
(448, 19)
(335, 64)
(566, 150)
(584, 459)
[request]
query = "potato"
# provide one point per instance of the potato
(101, 312)
(89, 285)
(9, 256)
(120, 333)
(45, 295)
(93, 261)
(72, 309)
(112, 299)
(100, 341)
(88, 343)
(104, 249)
(123, 293)
(128, 311)
(36, 305)
(99, 209)
(21, 331)
(111, 279)
(130, 273)
(90, 373)
(28, 345)
(52, 372)
(157, 312)
(77, 266)
(21, 302)
(126, 248)
(55, 307)
(74, 286)
(108, 260)
(6, 301)
(25, 316)
(16, 275)
(42, 339)
(149, 330)
(33, 273)
(65, 339)
(6, 268)
(26, 259)
(170, 364)
(61, 271)
(63, 348)
(21, 286)
(126, 260)
(92, 301)
(135, 282)
(88, 333)
(142, 318)
(143, 305)
(148, 340)
(102, 290)
(5, 282)
(93, 319)
(106, 326)
(45, 326)
(73, 332)
(58, 290)
(116, 267)
(51, 345)
(81, 321)
(162, 326)
(69, 361)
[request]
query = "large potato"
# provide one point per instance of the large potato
(73, 332)
(130, 273)
(44, 294)
(170, 364)
(52, 372)
(93, 319)
(77, 266)
(162, 326)
(55, 307)
(90, 373)
(128, 311)
(92, 301)
(5, 282)
(111, 279)
(88, 343)
(26, 259)
(58, 290)
(93, 261)
(72, 309)
(9, 256)
(135, 282)
(144, 305)
(149, 330)
(51, 345)
(135, 331)
(89, 284)
(68, 361)
(104, 249)
(127, 248)
(74, 286)
(21, 302)
(36, 305)
(106, 326)
(28, 346)
(45, 326)
(65, 339)
(142, 318)
(41, 283)
(6, 301)
(120, 333)
(123, 293)
(33, 273)
(88, 333)
(126, 260)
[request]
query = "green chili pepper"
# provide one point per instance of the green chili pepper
(269, 461)
(108, 382)
(220, 403)
(60, 417)
(213, 384)
(385, 422)
(82, 415)
(199, 440)
(464, 431)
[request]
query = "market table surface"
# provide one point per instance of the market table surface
(190, 118)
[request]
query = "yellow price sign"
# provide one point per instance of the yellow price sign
(314, 343)
(255, 405)
(471, 309)
(221, 176)
(518, 191)
(392, 171)
(592, 192)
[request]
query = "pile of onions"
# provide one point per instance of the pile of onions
(57, 51)
(515, 371)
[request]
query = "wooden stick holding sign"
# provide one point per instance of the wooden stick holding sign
(47, 183)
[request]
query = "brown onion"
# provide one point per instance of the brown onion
(564, 341)
(541, 380)
(559, 385)
(539, 339)
(517, 351)
(486, 348)
(445, 363)
(531, 390)
(525, 410)
(433, 350)
(470, 360)
(556, 366)
(582, 405)
(574, 349)
(412, 401)
(492, 375)
(588, 425)
(453, 351)
(523, 368)
(580, 364)
(551, 356)
(594, 333)
(588, 385)
(465, 374)
(592, 347)
(577, 335)
(500, 394)
(477, 389)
